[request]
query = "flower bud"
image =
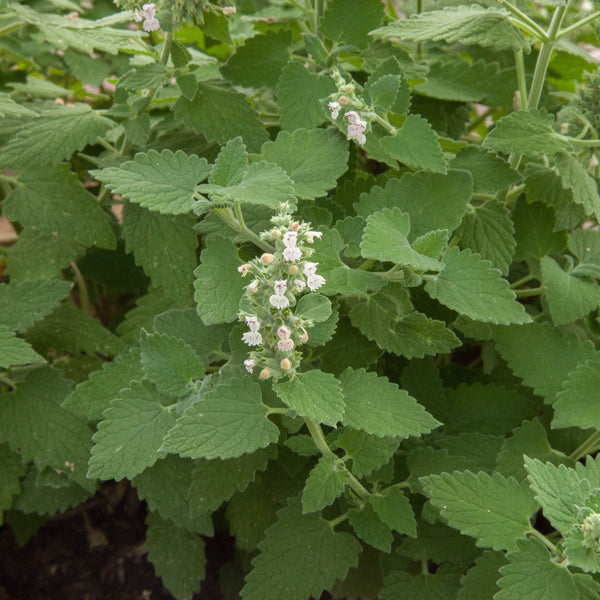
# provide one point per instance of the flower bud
(343, 100)
(275, 233)
(304, 337)
(267, 259)
(285, 364)
(295, 225)
(265, 373)
(293, 270)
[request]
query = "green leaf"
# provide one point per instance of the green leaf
(32, 421)
(313, 158)
(162, 182)
(492, 509)
(300, 556)
(585, 245)
(542, 355)
(488, 230)
(10, 108)
(394, 509)
(54, 253)
(11, 471)
(92, 397)
(416, 145)
(26, 302)
(467, 25)
(227, 422)
(54, 136)
(129, 437)
(425, 586)
(170, 363)
(177, 556)
(165, 487)
(479, 582)
(490, 173)
(217, 282)
(432, 200)
(326, 481)
(559, 490)
(220, 115)
(145, 77)
(260, 60)
(171, 268)
(313, 307)
(52, 200)
(264, 183)
(370, 528)
(534, 231)
(577, 403)
(476, 446)
(315, 395)
(215, 481)
(533, 574)
(526, 132)
(387, 91)
(472, 287)
(299, 95)
(575, 177)
(385, 238)
(16, 351)
(569, 297)
(379, 407)
(230, 165)
(368, 452)
(350, 23)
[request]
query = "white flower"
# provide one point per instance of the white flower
(593, 161)
(300, 285)
(292, 254)
(243, 269)
(229, 10)
(250, 364)
(285, 345)
(310, 268)
(283, 332)
(356, 127)
(314, 282)
(311, 235)
(148, 15)
(586, 6)
(353, 118)
(335, 108)
(252, 338)
(279, 301)
(253, 323)
(280, 286)
(253, 287)
(289, 239)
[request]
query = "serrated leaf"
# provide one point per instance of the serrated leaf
(326, 481)
(577, 404)
(299, 95)
(32, 421)
(575, 177)
(16, 351)
(542, 355)
(379, 407)
(526, 132)
(559, 490)
(171, 268)
(215, 481)
(170, 363)
(472, 287)
(11, 471)
(144, 77)
(416, 145)
(52, 200)
(314, 307)
(313, 158)
(585, 245)
(217, 282)
(385, 238)
(488, 231)
(230, 165)
(490, 172)
(350, 24)
(382, 91)
(476, 446)
(315, 395)
(425, 586)
(367, 452)
(227, 422)
(260, 60)
(128, 439)
(220, 115)
(465, 24)
(26, 302)
(394, 509)
(177, 556)
(479, 582)
(370, 528)
(162, 182)
(531, 573)
(492, 509)
(300, 556)
(54, 136)
(10, 108)
(165, 487)
(569, 297)
(92, 397)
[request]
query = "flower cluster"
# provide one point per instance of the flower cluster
(347, 98)
(277, 280)
(148, 16)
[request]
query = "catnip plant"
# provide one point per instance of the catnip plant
(319, 274)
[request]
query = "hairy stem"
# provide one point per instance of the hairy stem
(584, 449)
(83, 291)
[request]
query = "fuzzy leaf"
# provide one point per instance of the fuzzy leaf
(350, 23)
(577, 404)
(15, 350)
(394, 509)
(480, 580)
(325, 483)
(575, 177)
(490, 172)
(370, 528)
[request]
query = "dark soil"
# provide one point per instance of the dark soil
(95, 552)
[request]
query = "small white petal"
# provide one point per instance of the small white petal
(253, 287)
(151, 25)
(285, 345)
(314, 282)
(283, 332)
(253, 323)
(300, 285)
(250, 364)
(252, 338)
(310, 268)
(280, 286)
(292, 254)
(289, 239)
(279, 301)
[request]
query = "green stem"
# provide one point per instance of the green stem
(590, 444)
(318, 10)
(520, 64)
(544, 540)
(537, 30)
(384, 123)
(83, 291)
(338, 520)
(480, 119)
(317, 435)
(568, 30)
(531, 292)
(106, 145)
(365, 265)
(278, 411)
(9, 178)
(419, 44)
(522, 281)
(10, 28)
(8, 381)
